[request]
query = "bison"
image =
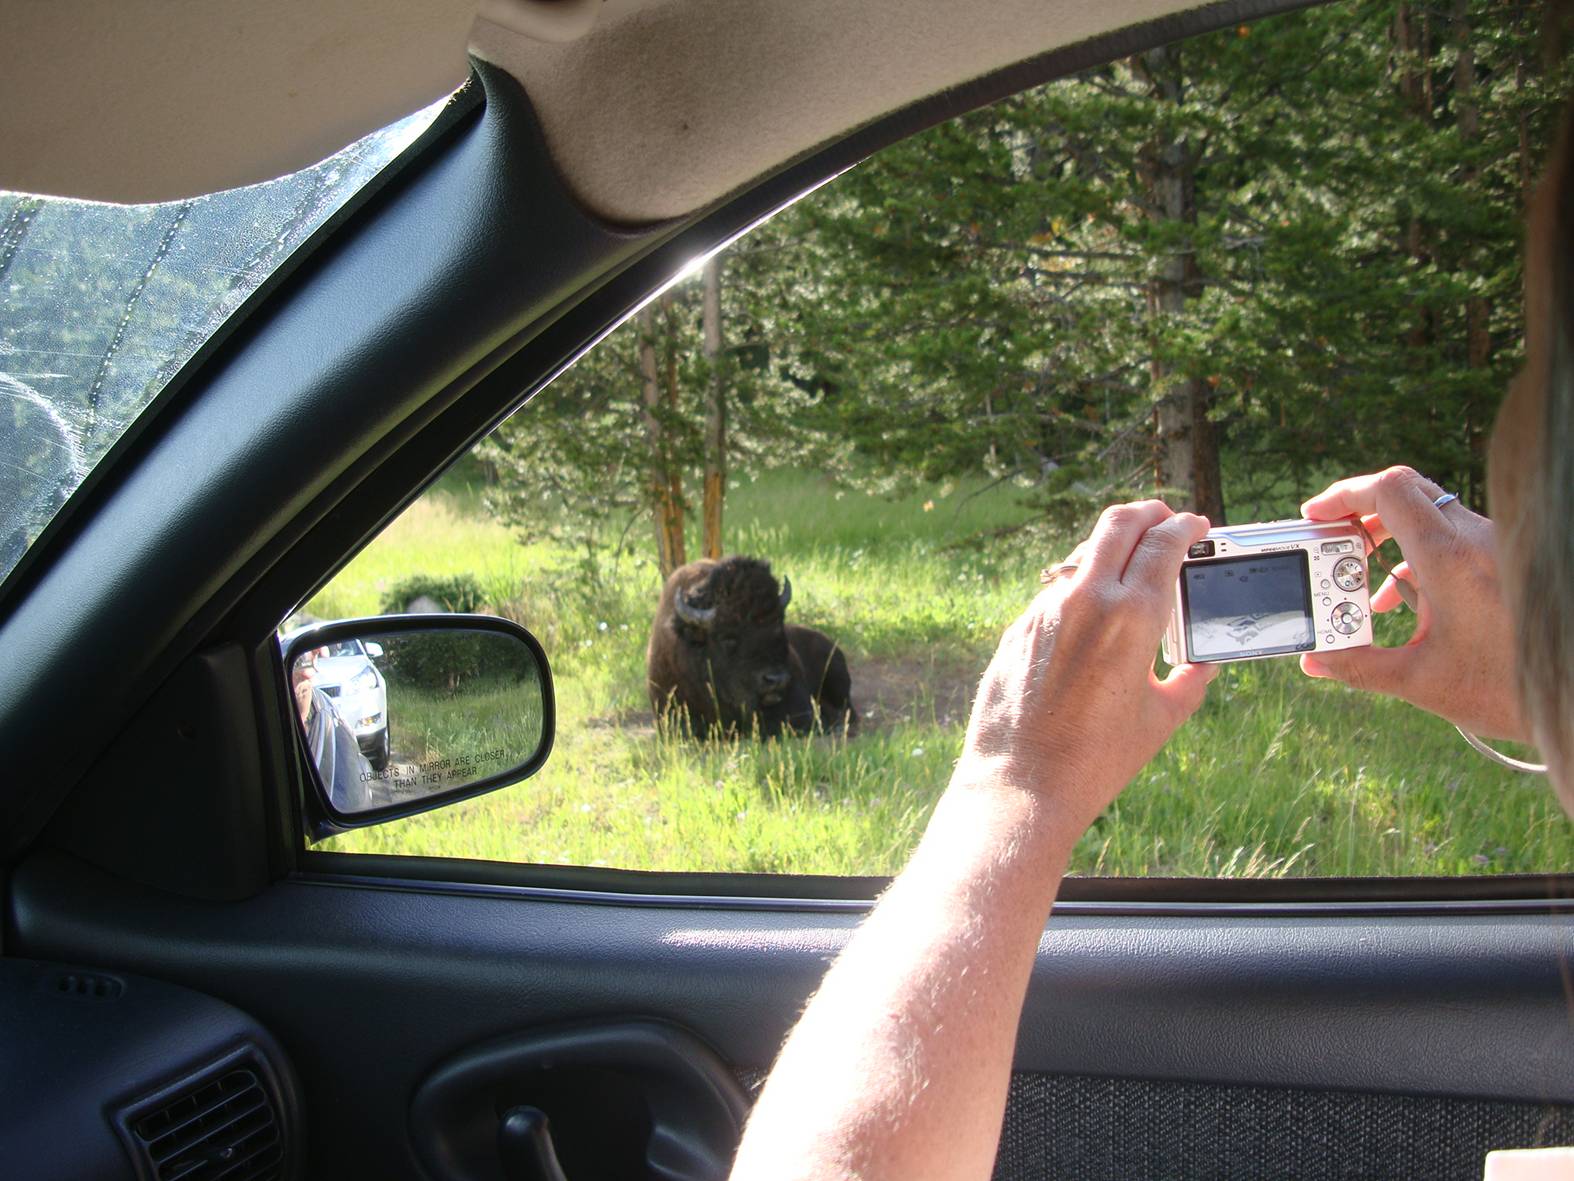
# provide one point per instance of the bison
(722, 656)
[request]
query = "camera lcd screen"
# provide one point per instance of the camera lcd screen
(1236, 608)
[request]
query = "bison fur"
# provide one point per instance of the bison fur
(722, 657)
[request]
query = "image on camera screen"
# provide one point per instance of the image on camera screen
(1259, 605)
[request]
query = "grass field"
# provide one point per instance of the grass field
(1277, 775)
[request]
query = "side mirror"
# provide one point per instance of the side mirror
(404, 713)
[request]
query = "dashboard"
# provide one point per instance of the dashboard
(108, 1075)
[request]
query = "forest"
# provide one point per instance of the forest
(1218, 272)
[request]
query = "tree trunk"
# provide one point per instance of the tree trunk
(1186, 446)
(992, 460)
(1413, 47)
(666, 487)
(1478, 313)
(716, 419)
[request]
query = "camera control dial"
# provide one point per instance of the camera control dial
(1350, 574)
(1347, 618)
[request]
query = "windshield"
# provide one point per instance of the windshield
(101, 305)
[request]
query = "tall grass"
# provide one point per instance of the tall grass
(1277, 775)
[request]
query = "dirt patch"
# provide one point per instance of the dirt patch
(639, 722)
(885, 692)
(914, 689)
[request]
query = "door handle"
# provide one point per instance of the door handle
(524, 1145)
(628, 1100)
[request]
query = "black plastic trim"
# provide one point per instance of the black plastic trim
(177, 801)
(1510, 894)
(245, 1055)
(80, 1063)
(787, 903)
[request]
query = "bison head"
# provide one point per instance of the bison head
(733, 624)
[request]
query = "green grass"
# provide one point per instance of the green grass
(483, 728)
(1278, 775)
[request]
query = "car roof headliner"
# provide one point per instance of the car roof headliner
(652, 109)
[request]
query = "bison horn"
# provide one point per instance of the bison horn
(786, 592)
(689, 613)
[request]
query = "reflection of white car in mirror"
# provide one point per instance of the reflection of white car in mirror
(346, 674)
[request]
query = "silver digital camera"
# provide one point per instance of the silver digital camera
(1251, 591)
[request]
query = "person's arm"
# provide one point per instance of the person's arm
(1460, 661)
(898, 1067)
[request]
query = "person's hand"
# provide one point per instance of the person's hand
(1069, 707)
(1459, 663)
(303, 682)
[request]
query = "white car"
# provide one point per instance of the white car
(359, 693)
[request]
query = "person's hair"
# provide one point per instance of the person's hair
(1546, 528)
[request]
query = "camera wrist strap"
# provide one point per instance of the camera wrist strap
(1408, 593)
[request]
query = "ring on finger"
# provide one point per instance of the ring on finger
(1446, 498)
(1049, 573)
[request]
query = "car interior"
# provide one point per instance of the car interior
(191, 991)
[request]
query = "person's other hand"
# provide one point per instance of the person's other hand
(1459, 663)
(1070, 707)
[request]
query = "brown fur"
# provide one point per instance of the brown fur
(708, 678)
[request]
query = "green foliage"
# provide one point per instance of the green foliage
(448, 661)
(441, 660)
(459, 593)
(985, 297)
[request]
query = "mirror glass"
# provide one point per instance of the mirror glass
(393, 717)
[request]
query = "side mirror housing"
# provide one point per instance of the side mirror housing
(400, 714)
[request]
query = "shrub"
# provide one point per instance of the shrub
(444, 661)
(447, 662)
(456, 592)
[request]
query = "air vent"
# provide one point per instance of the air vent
(88, 986)
(223, 1126)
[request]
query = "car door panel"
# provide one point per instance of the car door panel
(370, 986)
